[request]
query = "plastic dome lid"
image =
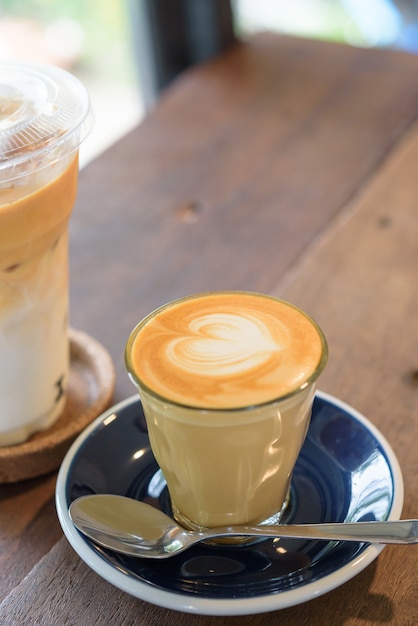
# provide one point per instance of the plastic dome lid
(44, 116)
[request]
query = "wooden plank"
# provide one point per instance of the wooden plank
(238, 169)
(360, 283)
(359, 280)
(29, 528)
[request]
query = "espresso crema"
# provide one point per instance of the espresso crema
(225, 350)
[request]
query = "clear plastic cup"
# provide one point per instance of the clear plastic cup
(44, 116)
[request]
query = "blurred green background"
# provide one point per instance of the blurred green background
(92, 34)
(97, 35)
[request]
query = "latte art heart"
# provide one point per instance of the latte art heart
(224, 350)
(224, 344)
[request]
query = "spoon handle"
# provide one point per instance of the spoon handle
(399, 531)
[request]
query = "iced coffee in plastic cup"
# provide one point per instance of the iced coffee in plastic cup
(44, 115)
(227, 381)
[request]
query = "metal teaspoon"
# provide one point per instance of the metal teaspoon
(138, 529)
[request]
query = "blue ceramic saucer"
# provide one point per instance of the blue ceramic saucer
(346, 472)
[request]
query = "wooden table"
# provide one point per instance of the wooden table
(288, 167)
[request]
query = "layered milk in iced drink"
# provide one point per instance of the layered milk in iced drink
(44, 114)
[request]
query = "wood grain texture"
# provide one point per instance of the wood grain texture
(286, 166)
(28, 528)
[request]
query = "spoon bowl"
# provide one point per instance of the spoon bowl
(137, 529)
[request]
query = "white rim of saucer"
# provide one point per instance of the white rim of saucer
(210, 606)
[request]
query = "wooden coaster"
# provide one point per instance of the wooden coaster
(90, 391)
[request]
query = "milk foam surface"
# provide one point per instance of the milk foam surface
(225, 350)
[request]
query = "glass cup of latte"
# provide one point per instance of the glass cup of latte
(227, 381)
